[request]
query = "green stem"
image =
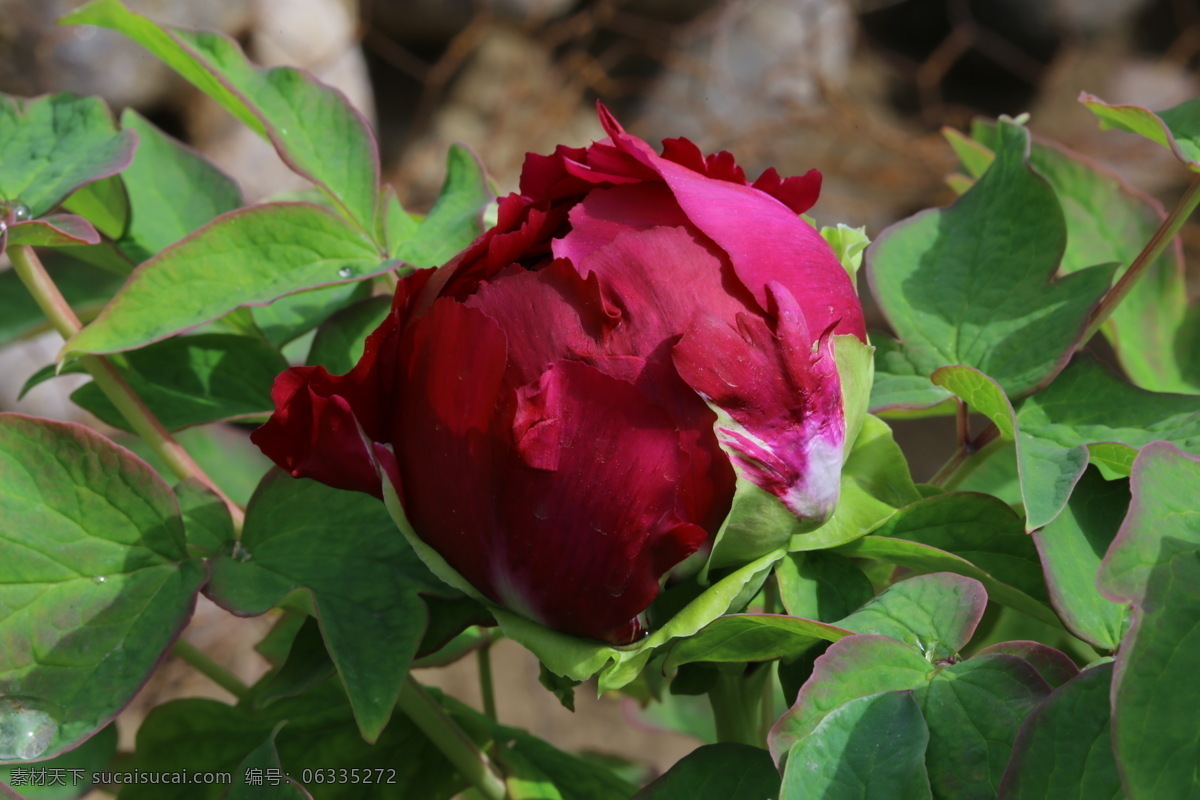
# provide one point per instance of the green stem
(428, 715)
(736, 700)
(967, 458)
(487, 689)
(1159, 242)
(194, 657)
(39, 283)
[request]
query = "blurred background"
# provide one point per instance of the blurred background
(856, 88)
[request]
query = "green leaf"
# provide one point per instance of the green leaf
(55, 230)
(365, 581)
(974, 710)
(95, 582)
(103, 203)
(1055, 666)
(67, 776)
(848, 245)
(871, 748)
(172, 190)
(752, 637)
(84, 287)
(854, 667)
(192, 380)
(248, 257)
(1064, 749)
(290, 317)
(320, 738)
(206, 520)
(980, 393)
(1086, 407)
(260, 776)
(729, 771)
(901, 385)
(316, 131)
(455, 220)
(307, 665)
(1155, 563)
(54, 144)
(340, 340)
(1071, 548)
(974, 284)
(1177, 129)
(875, 482)
(934, 614)
(821, 585)
(974, 155)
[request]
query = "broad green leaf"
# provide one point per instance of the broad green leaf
(821, 585)
(974, 710)
(752, 637)
(875, 482)
(996, 475)
(95, 581)
(1071, 548)
(454, 221)
(55, 230)
(1155, 563)
(1086, 411)
(933, 614)
(365, 581)
(84, 287)
(54, 144)
(871, 748)
(566, 774)
(290, 317)
(974, 284)
(978, 528)
(1055, 666)
(206, 520)
(307, 665)
(1064, 749)
(901, 383)
(67, 776)
(260, 776)
(980, 393)
(316, 131)
(191, 380)
(248, 257)
(340, 340)
(1177, 129)
(172, 190)
(320, 736)
(103, 203)
(854, 667)
(729, 771)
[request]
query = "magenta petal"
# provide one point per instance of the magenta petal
(572, 557)
(786, 426)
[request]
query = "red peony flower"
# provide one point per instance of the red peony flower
(545, 404)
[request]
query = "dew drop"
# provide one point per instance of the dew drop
(239, 553)
(20, 212)
(540, 511)
(99, 579)
(345, 272)
(26, 728)
(3, 226)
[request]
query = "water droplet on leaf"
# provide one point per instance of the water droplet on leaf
(21, 212)
(99, 579)
(345, 272)
(26, 728)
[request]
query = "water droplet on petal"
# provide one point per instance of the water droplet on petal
(26, 728)
(345, 272)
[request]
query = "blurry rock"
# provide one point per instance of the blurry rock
(510, 99)
(747, 63)
(36, 56)
(433, 22)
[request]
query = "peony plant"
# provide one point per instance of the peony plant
(637, 426)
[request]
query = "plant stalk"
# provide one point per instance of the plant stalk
(487, 689)
(736, 700)
(1159, 242)
(39, 283)
(428, 715)
(199, 661)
